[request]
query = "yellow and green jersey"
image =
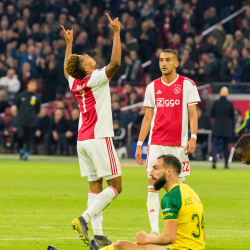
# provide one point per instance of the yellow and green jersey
(183, 204)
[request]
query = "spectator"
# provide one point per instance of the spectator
(59, 127)
(72, 133)
(116, 111)
(132, 10)
(36, 34)
(244, 126)
(211, 47)
(212, 68)
(11, 128)
(237, 122)
(42, 130)
(220, 35)
(2, 128)
(10, 82)
(229, 42)
(3, 101)
(227, 55)
(239, 41)
(25, 75)
(186, 66)
(119, 139)
(245, 64)
(81, 44)
(154, 69)
(131, 43)
(212, 19)
(133, 98)
(223, 115)
(132, 67)
(28, 106)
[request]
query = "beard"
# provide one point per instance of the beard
(160, 182)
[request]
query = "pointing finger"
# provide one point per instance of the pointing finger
(110, 20)
(63, 29)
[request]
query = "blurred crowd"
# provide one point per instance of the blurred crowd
(32, 46)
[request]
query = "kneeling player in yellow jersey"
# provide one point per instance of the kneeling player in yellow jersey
(182, 212)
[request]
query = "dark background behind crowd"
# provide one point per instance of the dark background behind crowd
(32, 46)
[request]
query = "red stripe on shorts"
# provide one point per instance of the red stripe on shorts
(110, 159)
(113, 157)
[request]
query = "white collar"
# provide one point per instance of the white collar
(169, 84)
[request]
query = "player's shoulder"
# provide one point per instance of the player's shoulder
(188, 81)
(173, 197)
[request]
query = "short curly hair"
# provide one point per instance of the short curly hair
(243, 143)
(74, 67)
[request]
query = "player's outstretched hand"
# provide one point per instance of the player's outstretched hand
(141, 238)
(115, 25)
(68, 35)
(138, 154)
(191, 146)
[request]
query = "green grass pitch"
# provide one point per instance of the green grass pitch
(40, 198)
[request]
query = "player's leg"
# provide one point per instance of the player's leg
(153, 202)
(128, 245)
(95, 189)
(106, 164)
(20, 135)
(226, 150)
(215, 150)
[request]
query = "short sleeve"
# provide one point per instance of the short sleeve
(71, 81)
(98, 78)
(149, 96)
(170, 208)
(193, 95)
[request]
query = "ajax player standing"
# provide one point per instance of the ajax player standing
(169, 100)
(97, 156)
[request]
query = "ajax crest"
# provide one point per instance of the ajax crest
(177, 90)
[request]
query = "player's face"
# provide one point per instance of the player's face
(244, 155)
(168, 63)
(158, 173)
(88, 63)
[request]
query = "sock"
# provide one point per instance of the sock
(153, 205)
(110, 247)
(98, 219)
(100, 203)
(21, 151)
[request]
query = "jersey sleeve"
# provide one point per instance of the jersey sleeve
(170, 208)
(193, 95)
(71, 82)
(149, 96)
(98, 78)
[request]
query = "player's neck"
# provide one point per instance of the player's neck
(169, 78)
(171, 182)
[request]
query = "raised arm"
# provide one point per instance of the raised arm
(68, 35)
(116, 55)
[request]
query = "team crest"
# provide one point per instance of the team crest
(177, 90)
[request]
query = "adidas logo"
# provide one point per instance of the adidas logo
(159, 92)
(151, 211)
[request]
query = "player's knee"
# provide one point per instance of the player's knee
(118, 245)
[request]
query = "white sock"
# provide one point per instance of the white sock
(153, 205)
(97, 220)
(100, 203)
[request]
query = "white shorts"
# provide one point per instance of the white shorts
(154, 151)
(98, 159)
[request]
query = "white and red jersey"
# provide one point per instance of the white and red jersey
(93, 96)
(169, 125)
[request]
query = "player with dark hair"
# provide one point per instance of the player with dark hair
(242, 149)
(96, 152)
(182, 212)
(169, 101)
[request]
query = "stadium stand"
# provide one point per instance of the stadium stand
(32, 46)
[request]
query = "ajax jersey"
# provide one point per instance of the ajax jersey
(169, 125)
(93, 97)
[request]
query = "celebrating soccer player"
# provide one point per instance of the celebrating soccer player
(97, 156)
(242, 149)
(169, 100)
(182, 212)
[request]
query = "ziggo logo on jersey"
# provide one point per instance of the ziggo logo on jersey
(161, 102)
